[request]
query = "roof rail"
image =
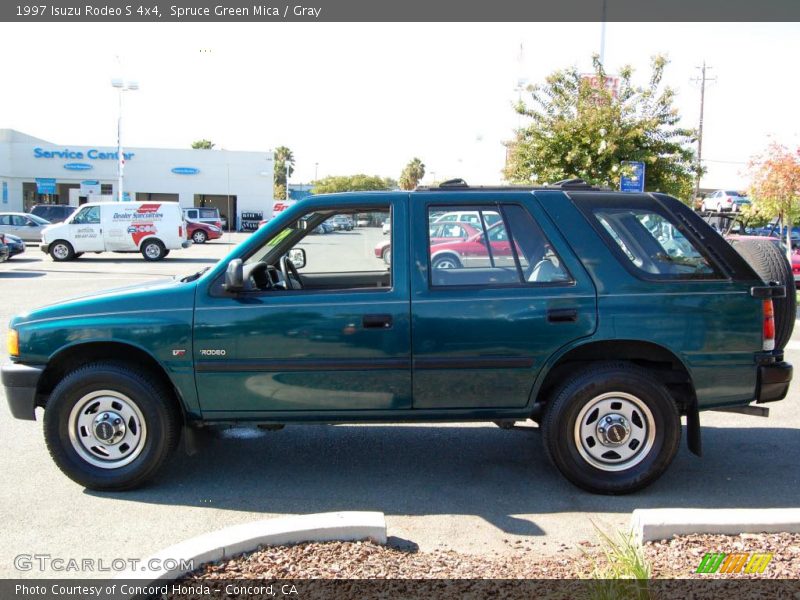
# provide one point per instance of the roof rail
(574, 184)
(459, 184)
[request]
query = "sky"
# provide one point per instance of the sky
(368, 97)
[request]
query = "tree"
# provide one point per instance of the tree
(775, 186)
(283, 157)
(353, 183)
(412, 174)
(203, 144)
(580, 128)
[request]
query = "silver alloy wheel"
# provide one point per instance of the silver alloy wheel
(199, 236)
(614, 431)
(107, 429)
(60, 251)
(152, 250)
(445, 263)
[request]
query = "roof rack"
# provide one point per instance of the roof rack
(459, 184)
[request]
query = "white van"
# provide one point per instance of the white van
(152, 228)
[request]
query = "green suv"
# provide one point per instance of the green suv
(602, 316)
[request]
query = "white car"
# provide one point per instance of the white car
(387, 226)
(152, 228)
(725, 200)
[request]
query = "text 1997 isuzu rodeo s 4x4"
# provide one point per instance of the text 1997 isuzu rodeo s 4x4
(603, 316)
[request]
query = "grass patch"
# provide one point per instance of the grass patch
(622, 570)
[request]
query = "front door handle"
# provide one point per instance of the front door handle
(562, 315)
(377, 321)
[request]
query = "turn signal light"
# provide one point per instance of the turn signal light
(13, 342)
(769, 325)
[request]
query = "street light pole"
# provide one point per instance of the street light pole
(122, 86)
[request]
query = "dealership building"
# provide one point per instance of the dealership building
(35, 171)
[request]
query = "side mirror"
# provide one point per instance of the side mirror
(298, 257)
(234, 276)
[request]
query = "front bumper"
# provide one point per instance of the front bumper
(773, 381)
(20, 382)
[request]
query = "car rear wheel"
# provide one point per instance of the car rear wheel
(153, 250)
(612, 429)
(110, 426)
(446, 262)
(199, 237)
(61, 251)
(387, 255)
(771, 264)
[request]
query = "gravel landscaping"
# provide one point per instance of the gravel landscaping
(676, 558)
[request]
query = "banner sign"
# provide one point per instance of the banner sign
(45, 185)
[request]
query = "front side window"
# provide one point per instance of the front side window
(653, 244)
(497, 246)
(318, 252)
(88, 216)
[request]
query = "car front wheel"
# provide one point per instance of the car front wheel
(109, 426)
(612, 429)
(199, 237)
(61, 251)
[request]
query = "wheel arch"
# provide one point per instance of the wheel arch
(663, 362)
(70, 357)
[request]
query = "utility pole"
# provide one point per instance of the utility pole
(702, 80)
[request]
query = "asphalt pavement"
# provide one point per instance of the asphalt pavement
(470, 487)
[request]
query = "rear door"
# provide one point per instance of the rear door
(483, 329)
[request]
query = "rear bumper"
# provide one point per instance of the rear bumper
(20, 382)
(186, 243)
(773, 381)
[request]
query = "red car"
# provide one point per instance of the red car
(440, 233)
(472, 252)
(199, 232)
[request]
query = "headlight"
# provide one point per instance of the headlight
(214, 228)
(13, 342)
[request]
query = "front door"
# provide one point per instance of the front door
(490, 310)
(86, 230)
(332, 335)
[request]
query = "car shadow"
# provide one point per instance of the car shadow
(19, 274)
(483, 471)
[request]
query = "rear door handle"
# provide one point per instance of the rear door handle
(562, 315)
(377, 321)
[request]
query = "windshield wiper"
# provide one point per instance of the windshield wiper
(195, 276)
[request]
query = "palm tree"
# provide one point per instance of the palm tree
(412, 174)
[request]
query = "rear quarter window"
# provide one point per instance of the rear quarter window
(652, 244)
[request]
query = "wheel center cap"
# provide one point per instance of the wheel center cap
(613, 430)
(109, 428)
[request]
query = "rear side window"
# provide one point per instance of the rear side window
(490, 246)
(209, 213)
(652, 243)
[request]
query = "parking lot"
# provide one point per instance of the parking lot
(471, 487)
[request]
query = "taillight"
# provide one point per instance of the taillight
(769, 325)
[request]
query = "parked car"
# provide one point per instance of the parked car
(342, 223)
(206, 214)
(152, 228)
(199, 232)
(469, 216)
(610, 316)
(54, 213)
(723, 200)
(439, 233)
(4, 252)
(387, 226)
(23, 225)
(15, 245)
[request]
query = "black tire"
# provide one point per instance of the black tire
(446, 261)
(153, 249)
(78, 254)
(166, 253)
(199, 236)
(772, 265)
(61, 251)
(158, 436)
(624, 389)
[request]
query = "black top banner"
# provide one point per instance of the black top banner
(63, 11)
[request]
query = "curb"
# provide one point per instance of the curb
(224, 543)
(662, 523)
